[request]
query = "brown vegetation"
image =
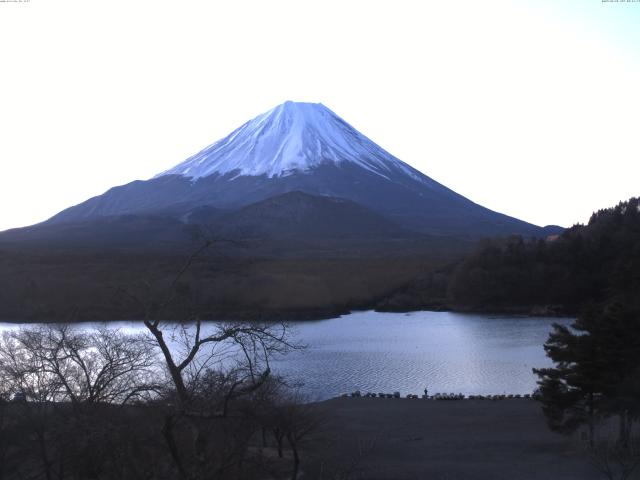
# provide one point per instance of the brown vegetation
(84, 286)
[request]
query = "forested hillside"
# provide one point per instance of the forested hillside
(586, 264)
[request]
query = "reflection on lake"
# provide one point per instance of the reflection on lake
(386, 352)
(448, 352)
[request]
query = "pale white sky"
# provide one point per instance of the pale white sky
(528, 107)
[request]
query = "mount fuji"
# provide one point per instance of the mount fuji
(306, 149)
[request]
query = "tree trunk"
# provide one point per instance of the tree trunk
(167, 432)
(590, 412)
(174, 371)
(296, 458)
(278, 436)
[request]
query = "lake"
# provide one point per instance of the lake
(386, 352)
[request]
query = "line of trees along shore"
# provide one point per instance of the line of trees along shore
(586, 265)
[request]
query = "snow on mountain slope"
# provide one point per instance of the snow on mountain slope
(291, 138)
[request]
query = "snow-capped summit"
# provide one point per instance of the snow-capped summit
(292, 137)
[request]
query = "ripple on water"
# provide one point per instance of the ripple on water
(448, 352)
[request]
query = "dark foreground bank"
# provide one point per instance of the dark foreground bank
(420, 439)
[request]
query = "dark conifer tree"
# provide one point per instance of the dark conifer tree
(596, 372)
(571, 391)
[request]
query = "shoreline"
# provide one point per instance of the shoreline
(304, 316)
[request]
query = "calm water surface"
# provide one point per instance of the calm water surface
(386, 352)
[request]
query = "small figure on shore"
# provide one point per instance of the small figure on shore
(426, 392)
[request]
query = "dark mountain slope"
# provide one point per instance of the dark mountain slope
(305, 216)
(292, 221)
(129, 232)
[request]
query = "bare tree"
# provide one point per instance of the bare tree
(210, 366)
(189, 348)
(23, 377)
(46, 370)
(22, 370)
(297, 421)
(59, 363)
